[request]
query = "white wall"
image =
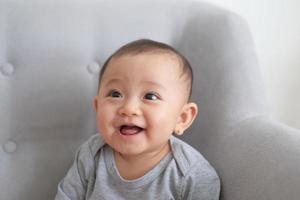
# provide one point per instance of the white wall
(275, 25)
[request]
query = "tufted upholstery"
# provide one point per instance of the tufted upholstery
(50, 56)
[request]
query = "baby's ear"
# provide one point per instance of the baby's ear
(186, 117)
(96, 103)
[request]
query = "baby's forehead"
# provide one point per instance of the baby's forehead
(167, 59)
(169, 69)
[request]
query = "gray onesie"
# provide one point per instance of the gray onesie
(182, 174)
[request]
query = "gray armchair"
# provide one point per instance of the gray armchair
(50, 56)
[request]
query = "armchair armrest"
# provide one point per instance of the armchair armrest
(261, 158)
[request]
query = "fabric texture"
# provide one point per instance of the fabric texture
(182, 174)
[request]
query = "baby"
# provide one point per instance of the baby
(143, 99)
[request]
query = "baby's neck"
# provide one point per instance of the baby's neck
(133, 167)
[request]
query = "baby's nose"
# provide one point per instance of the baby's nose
(130, 108)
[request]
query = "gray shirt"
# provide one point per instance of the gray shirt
(182, 174)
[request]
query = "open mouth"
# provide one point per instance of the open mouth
(130, 130)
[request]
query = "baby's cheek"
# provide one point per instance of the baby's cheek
(163, 121)
(103, 120)
(99, 123)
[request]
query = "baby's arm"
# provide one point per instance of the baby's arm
(74, 184)
(201, 184)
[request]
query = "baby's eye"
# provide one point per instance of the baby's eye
(151, 96)
(114, 94)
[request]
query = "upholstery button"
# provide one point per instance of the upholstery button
(10, 146)
(94, 68)
(7, 69)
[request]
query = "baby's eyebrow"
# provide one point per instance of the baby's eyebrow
(114, 80)
(148, 82)
(154, 83)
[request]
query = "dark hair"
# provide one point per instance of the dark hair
(146, 46)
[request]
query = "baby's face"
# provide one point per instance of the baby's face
(139, 102)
